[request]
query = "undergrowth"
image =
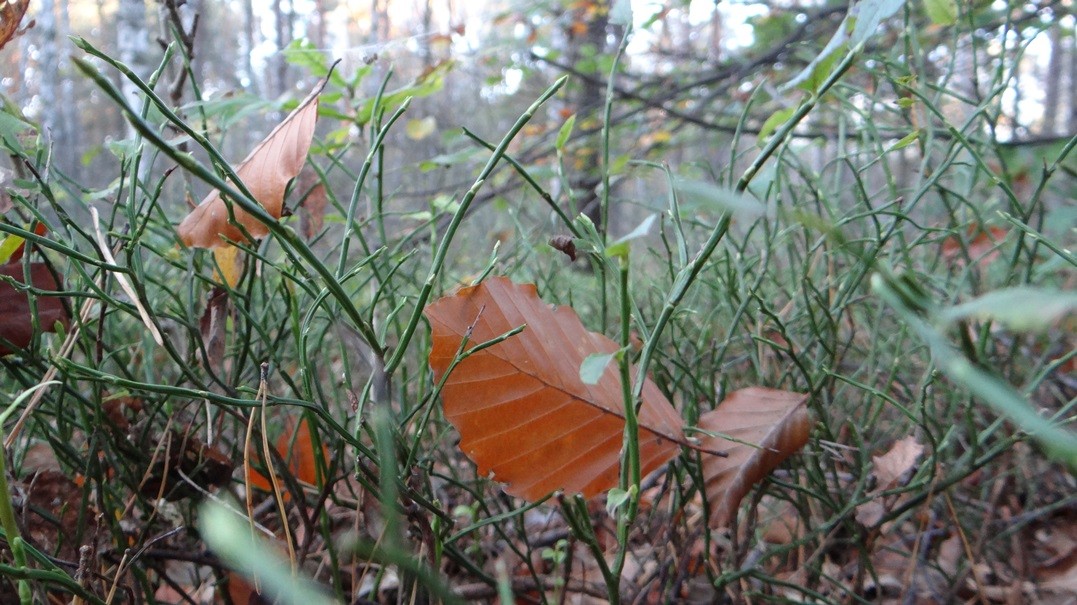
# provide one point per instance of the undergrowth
(324, 329)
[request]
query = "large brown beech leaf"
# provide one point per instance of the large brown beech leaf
(764, 427)
(266, 173)
(520, 406)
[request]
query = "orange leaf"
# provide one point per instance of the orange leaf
(38, 229)
(241, 592)
(16, 325)
(776, 422)
(520, 406)
(982, 245)
(266, 173)
(297, 447)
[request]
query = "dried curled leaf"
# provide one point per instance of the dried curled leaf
(266, 173)
(566, 245)
(521, 407)
(896, 463)
(11, 13)
(757, 428)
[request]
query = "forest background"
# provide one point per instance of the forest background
(880, 218)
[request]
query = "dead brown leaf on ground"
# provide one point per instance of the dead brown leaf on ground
(17, 313)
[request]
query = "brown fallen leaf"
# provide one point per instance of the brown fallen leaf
(241, 592)
(778, 425)
(229, 268)
(520, 406)
(889, 469)
(205, 465)
(16, 320)
(313, 204)
(266, 172)
(894, 464)
(212, 326)
(50, 513)
(524, 412)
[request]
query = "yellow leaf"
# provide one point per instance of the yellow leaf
(418, 130)
(229, 265)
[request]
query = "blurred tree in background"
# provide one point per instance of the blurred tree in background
(689, 71)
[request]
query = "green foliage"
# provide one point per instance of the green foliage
(941, 12)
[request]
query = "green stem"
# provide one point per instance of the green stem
(687, 276)
(353, 203)
(630, 467)
(7, 508)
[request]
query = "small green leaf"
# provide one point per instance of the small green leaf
(617, 166)
(617, 498)
(424, 86)
(594, 365)
(698, 195)
(445, 160)
(905, 141)
(620, 247)
(10, 129)
(444, 202)
(124, 149)
(870, 14)
(816, 72)
(565, 132)
(1021, 309)
(775, 120)
(941, 12)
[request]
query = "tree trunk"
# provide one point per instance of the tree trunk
(425, 34)
(318, 34)
(133, 42)
(1071, 127)
(69, 129)
(585, 41)
(47, 63)
(375, 26)
(249, 27)
(714, 52)
(283, 23)
(1053, 81)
